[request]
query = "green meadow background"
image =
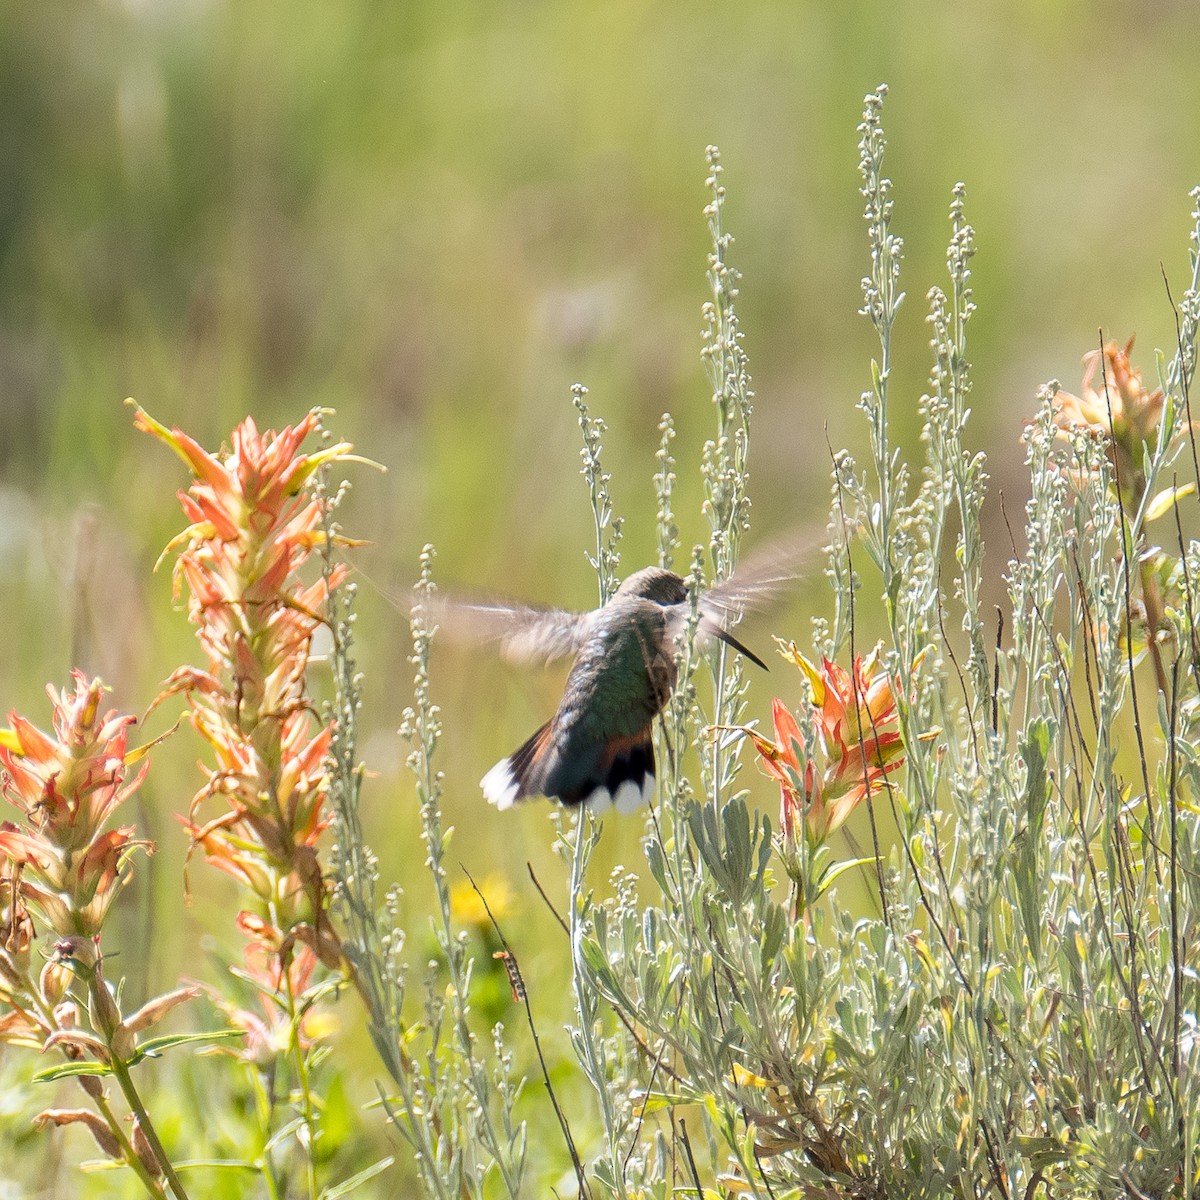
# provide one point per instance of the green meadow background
(434, 218)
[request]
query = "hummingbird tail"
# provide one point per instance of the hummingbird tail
(623, 776)
(511, 778)
(615, 773)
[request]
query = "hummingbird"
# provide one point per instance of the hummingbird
(597, 748)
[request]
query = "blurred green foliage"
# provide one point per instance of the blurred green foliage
(435, 218)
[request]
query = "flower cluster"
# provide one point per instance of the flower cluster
(268, 1025)
(1128, 418)
(62, 864)
(824, 775)
(254, 523)
(66, 786)
(1121, 411)
(59, 861)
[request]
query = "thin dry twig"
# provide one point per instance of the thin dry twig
(522, 992)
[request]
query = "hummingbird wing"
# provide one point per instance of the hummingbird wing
(758, 580)
(524, 633)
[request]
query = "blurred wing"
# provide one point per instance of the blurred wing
(523, 633)
(759, 579)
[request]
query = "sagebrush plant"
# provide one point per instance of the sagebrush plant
(1018, 1017)
(1010, 1013)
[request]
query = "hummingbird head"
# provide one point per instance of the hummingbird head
(656, 584)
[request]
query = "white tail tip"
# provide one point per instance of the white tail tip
(500, 785)
(628, 798)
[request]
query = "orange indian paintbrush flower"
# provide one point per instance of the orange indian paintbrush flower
(66, 786)
(1115, 404)
(255, 522)
(824, 776)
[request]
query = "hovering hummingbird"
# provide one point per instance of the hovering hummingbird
(597, 748)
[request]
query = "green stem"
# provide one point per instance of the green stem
(591, 1048)
(134, 1100)
(263, 1083)
(307, 1108)
(131, 1156)
(102, 1106)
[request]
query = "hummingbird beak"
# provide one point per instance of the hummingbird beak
(730, 640)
